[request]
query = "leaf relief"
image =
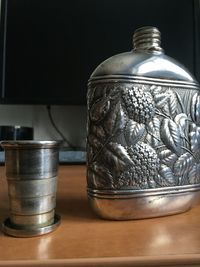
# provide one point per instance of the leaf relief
(181, 121)
(194, 138)
(90, 95)
(172, 102)
(116, 120)
(160, 100)
(153, 132)
(167, 175)
(133, 132)
(99, 176)
(116, 157)
(160, 181)
(155, 89)
(194, 174)
(99, 132)
(99, 109)
(167, 157)
(195, 108)
(167, 102)
(170, 135)
(183, 164)
(94, 141)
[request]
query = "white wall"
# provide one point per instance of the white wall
(71, 121)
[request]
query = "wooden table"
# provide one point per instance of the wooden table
(82, 239)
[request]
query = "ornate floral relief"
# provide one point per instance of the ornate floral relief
(142, 136)
(138, 103)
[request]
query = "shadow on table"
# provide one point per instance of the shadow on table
(74, 208)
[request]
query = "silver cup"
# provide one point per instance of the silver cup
(31, 172)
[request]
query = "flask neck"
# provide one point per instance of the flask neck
(147, 39)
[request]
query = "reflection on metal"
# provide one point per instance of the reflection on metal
(143, 134)
(31, 172)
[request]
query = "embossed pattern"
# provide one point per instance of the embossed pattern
(142, 136)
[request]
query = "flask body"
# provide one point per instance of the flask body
(143, 140)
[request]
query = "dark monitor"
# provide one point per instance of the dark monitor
(50, 47)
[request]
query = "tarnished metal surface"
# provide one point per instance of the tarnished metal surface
(31, 170)
(143, 132)
(42, 219)
(29, 231)
(132, 204)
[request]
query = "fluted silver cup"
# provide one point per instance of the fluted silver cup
(31, 172)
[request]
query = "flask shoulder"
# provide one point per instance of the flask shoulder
(152, 65)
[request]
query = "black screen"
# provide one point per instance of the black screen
(52, 46)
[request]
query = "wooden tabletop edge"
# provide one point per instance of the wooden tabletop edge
(161, 260)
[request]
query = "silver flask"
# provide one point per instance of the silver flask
(143, 142)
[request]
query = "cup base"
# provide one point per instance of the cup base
(29, 231)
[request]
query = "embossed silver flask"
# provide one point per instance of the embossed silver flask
(143, 143)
